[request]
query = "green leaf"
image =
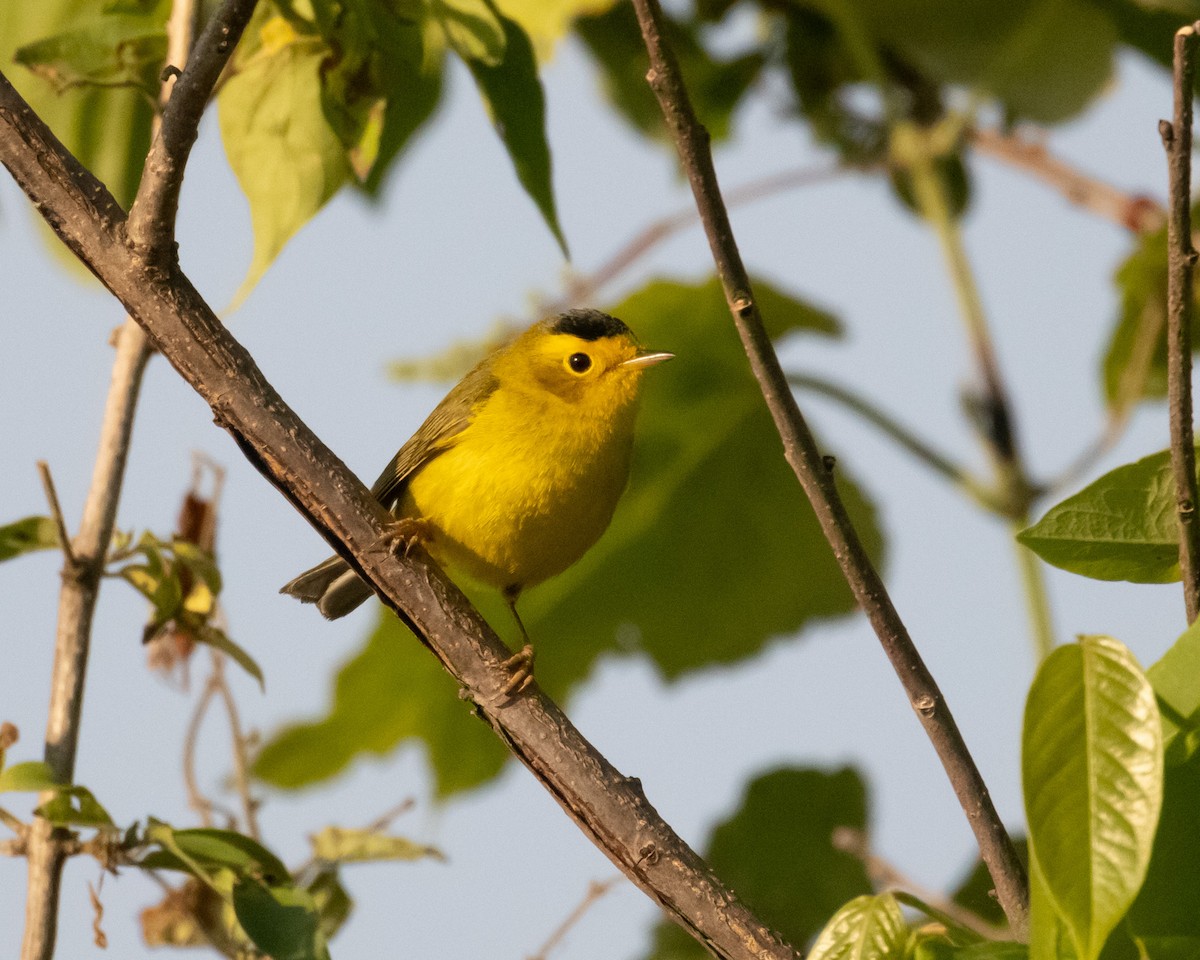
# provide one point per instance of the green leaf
(1176, 681)
(381, 83)
(338, 844)
(473, 29)
(823, 70)
(114, 50)
(1135, 364)
(716, 86)
(282, 921)
(698, 451)
(866, 928)
(1092, 767)
(211, 849)
(548, 23)
(26, 536)
(1168, 905)
(390, 690)
(331, 900)
(32, 776)
(75, 807)
(937, 947)
(108, 130)
(1049, 938)
(1044, 60)
(1120, 527)
(219, 640)
(513, 95)
(777, 851)
(287, 158)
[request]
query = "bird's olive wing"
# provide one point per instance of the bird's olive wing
(438, 433)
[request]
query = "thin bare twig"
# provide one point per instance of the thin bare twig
(692, 143)
(902, 436)
(886, 875)
(241, 759)
(195, 796)
(64, 538)
(595, 892)
(584, 288)
(1177, 139)
(77, 602)
(1137, 212)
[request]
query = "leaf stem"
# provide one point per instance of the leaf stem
(914, 149)
(1037, 601)
(903, 436)
(1177, 139)
(692, 143)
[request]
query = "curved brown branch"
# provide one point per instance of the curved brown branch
(609, 807)
(692, 143)
(1137, 212)
(1177, 138)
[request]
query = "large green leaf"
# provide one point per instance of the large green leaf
(712, 553)
(283, 922)
(287, 158)
(513, 95)
(867, 928)
(777, 852)
(107, 129)
(715, 85)
(1168, 905)
(1044, 60)
(1092, 767)
(1121, 527)
(207, 849)
(113, 50)
(1176, 681)
(1135, 364)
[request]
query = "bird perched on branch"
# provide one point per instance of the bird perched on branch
(516, 473)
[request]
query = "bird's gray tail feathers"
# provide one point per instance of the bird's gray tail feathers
(332, 586)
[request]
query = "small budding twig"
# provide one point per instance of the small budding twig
(800, 450)
(64, 538)
(595, 891)
(1177, 139)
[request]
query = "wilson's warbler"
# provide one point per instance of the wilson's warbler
(516, 473)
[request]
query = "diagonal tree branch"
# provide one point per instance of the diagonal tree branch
(815, 476)
(609, 807)
(1177, 138)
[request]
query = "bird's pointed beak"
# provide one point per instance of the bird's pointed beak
(643, 360)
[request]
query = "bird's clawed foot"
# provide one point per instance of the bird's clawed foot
(520, 665)
(402, 535)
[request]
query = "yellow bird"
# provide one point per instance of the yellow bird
(516, 473)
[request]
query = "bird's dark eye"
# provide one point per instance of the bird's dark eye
(579, 362)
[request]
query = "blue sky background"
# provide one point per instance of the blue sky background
(454, 246)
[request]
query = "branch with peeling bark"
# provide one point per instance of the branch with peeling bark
(692, 143)
(610, 808)
(1177, 139)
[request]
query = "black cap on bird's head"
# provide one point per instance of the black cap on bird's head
(588, 325)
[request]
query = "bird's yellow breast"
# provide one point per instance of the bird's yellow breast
(527, 487)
